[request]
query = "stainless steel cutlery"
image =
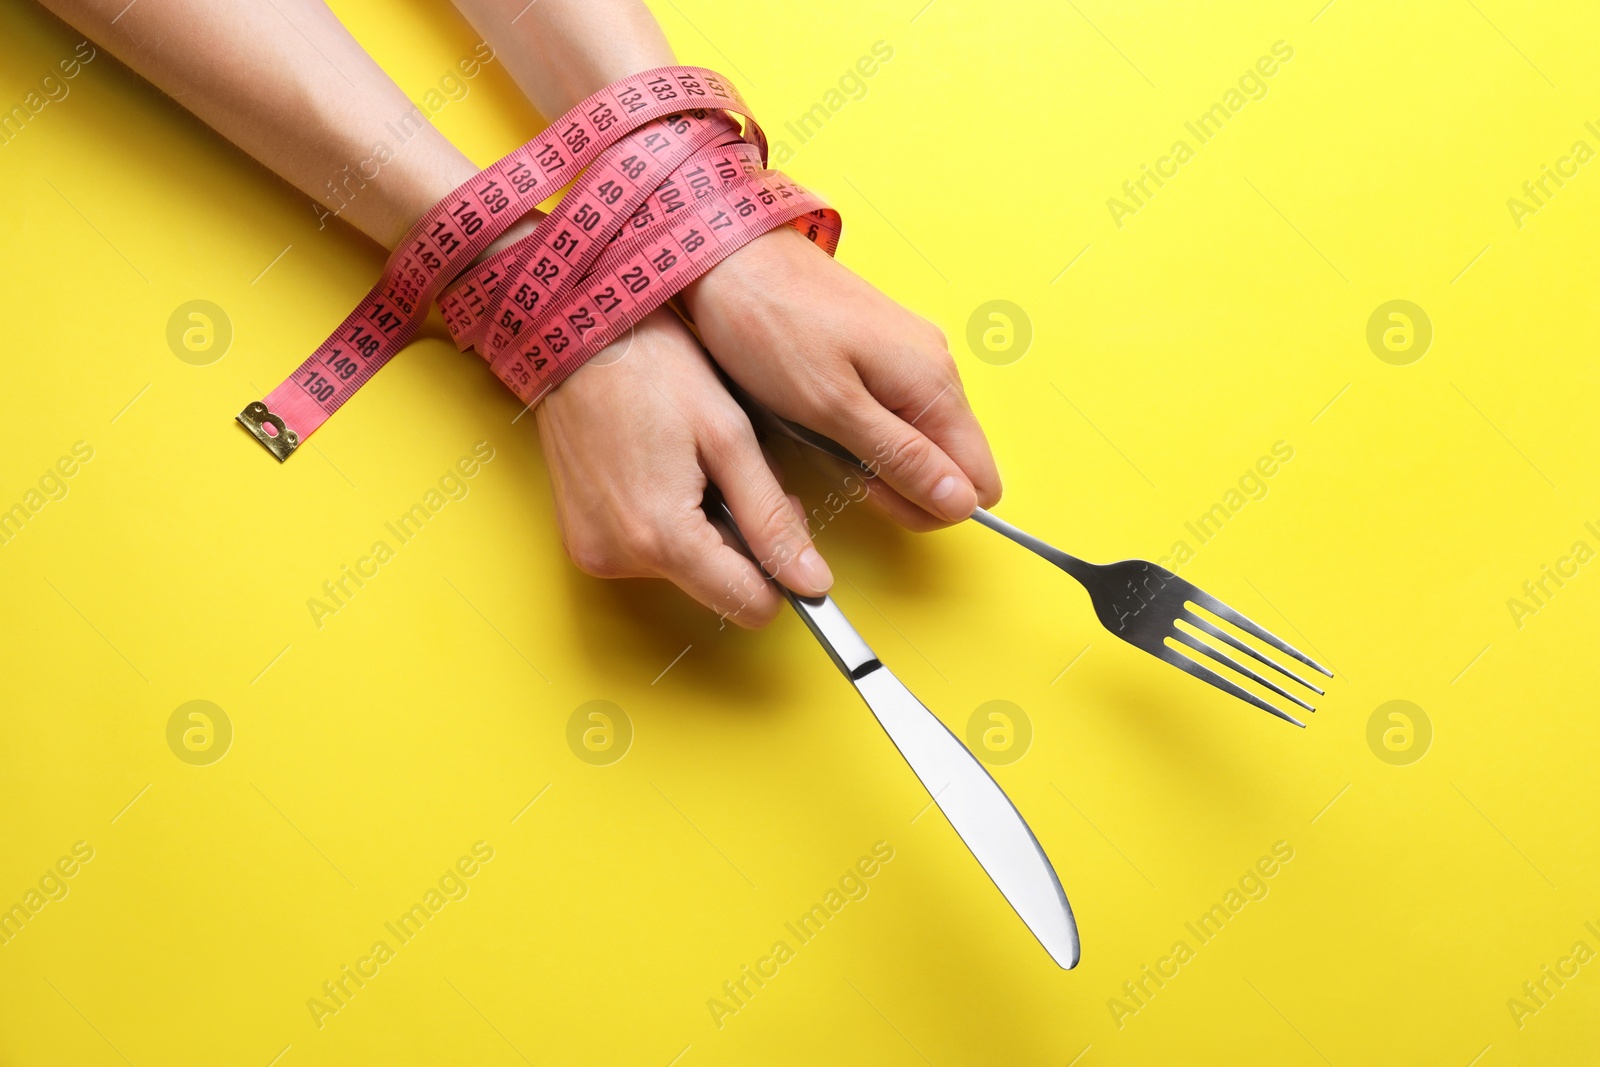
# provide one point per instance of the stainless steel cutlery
(1144, 604)
(1138, 601)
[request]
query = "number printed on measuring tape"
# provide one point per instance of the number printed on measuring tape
(664, 185)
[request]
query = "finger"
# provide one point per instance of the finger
(777, 472)
(887, 502)
(857, 486)
(770, 524)
(948, 421)
(696, 558)
(904, 457)
(733, 542)
(924, 388)
(799, 508)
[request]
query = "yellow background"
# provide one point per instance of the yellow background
(1224, 316)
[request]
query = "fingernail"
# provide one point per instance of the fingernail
(952, 501)
(813, 570)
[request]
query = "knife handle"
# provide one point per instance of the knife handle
(848, 650)
(758, 412)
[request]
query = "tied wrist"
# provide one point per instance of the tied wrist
(664, 202)
(664, 185)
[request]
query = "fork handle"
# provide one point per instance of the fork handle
(1074, 566)
(1079, 569)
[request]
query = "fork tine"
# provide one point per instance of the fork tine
(1222, 635)
(1200, 646)
(1217, 607)
(1206, 674)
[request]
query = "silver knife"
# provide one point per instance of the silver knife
(979, 810)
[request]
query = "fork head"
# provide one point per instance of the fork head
(1143, 604)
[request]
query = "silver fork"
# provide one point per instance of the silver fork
(1135, 599)
(1142, 603)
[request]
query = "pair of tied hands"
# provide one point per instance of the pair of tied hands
(633, 438)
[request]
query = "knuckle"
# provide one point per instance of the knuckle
(774, 516)
(827, 396)
(642, 542)
(725, 432)
(593, 557)
(936, 366)
(910, 459)
(782, 546)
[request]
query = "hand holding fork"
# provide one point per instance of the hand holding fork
(1136, 600)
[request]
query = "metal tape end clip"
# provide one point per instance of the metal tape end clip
(269, 429)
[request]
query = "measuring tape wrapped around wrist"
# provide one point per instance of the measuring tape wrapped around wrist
(664, 186)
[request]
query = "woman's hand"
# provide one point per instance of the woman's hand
(632, 439)
(821, 347)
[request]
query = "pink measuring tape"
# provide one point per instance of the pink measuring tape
(667, 186)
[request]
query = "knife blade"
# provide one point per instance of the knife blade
(972, 801)
(979, 811)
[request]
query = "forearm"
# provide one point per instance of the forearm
(288, 84)
(560, 51)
